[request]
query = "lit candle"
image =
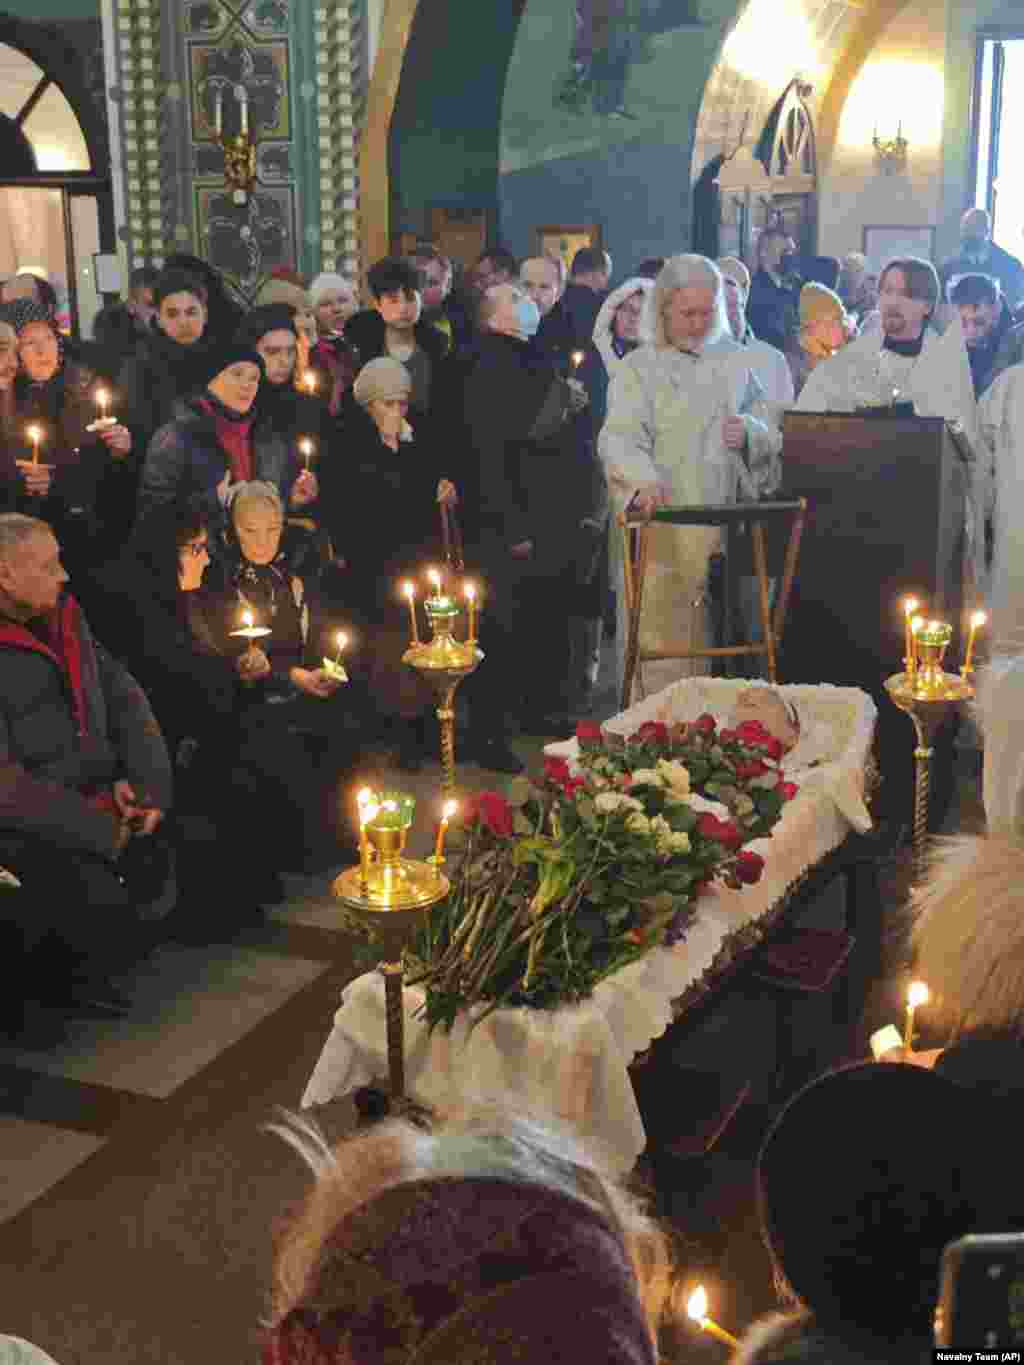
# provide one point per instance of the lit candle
(577, 359)
(242, 96)
(218, 112)
(410, 593)
(917, 994)
(35, 435)
(368, 809)
(978, 619)
(470, 592)
(247, 620)
(447, 811)
(342, 641)
(435, 581)
(697, 1309)
(102, 401)
(910, 606)
(306, 450)
(309, 379)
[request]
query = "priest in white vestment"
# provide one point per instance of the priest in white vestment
(687, 424)
(909, 361)
(1001, 418)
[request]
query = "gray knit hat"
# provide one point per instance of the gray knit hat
(382, 378)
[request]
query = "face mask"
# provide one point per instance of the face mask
(529, 317)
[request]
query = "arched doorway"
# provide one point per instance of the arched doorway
(56, 208)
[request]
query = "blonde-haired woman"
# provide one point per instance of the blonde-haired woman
(491, 1238)
(825, 328)
(23, 484)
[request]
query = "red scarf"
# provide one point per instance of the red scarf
(234, 435)
(64, 649)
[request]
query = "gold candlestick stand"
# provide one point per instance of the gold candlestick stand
(929, 696)
(444, 662)
(392, 883)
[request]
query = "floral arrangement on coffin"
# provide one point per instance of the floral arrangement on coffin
(586, 869)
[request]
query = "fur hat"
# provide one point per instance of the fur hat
(865, 1177)
(20, 312)
(382, 378)
(268, 317)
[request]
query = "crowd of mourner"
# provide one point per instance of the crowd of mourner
(196, 467)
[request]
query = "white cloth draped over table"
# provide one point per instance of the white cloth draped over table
(664, 425)
(937, 382)
(573, 1062)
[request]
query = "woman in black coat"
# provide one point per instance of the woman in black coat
(380, 490)
(143, 607)
(298, 724)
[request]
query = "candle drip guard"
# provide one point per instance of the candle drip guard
(443, 662)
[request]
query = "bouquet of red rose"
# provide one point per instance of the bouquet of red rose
(592, 864)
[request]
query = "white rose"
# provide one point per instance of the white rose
(647, 777)
(638, 823)
(703, 806)
(608, 802)
(674, 776)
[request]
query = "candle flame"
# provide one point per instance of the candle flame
(306, 446)
(697, 1304)
(918, 994)
(917, 624)
(342, 640)
(577, 359)
(470, 592)
(364, 797)
(978, 619)
(910, 606)
(34, 433)
(934, 625)
(102, 397)
(310, 381)
(409, 590)
(435, 578)
(368, 812)
(448, 809)
(247, 619)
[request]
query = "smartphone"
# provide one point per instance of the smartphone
(981, 1295)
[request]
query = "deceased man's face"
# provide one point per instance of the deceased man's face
(765, 704)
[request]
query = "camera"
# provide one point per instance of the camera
(981, 1295)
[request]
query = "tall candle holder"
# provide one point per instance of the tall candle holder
(443, 662)
(385, 882)
(929, 696)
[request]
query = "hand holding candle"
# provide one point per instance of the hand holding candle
(35, 435)
(917, 994)
(697, 1309)
(978, 619)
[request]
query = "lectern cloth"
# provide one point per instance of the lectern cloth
(573, 1062)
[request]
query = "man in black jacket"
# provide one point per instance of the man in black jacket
(773, 307)
(393, 327)
(979, 255)
(517, 445)
(84, 770)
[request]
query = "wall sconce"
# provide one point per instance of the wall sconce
(240, 150)
(891, 153)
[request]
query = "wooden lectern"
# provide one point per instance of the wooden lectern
(886, 518)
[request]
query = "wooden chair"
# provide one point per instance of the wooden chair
(636, 553)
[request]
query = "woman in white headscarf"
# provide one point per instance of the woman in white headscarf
(682, 429)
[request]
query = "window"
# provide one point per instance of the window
(38, 107)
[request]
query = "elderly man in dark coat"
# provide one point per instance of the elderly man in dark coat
(85, 778)
(518, 484)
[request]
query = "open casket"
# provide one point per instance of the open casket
(573, 1062)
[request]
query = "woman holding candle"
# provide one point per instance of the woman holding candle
(90, 497)
(285, 416)
(297, 718)
(385, 467)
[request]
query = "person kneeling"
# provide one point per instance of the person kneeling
(85, 778)
(287, 705)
